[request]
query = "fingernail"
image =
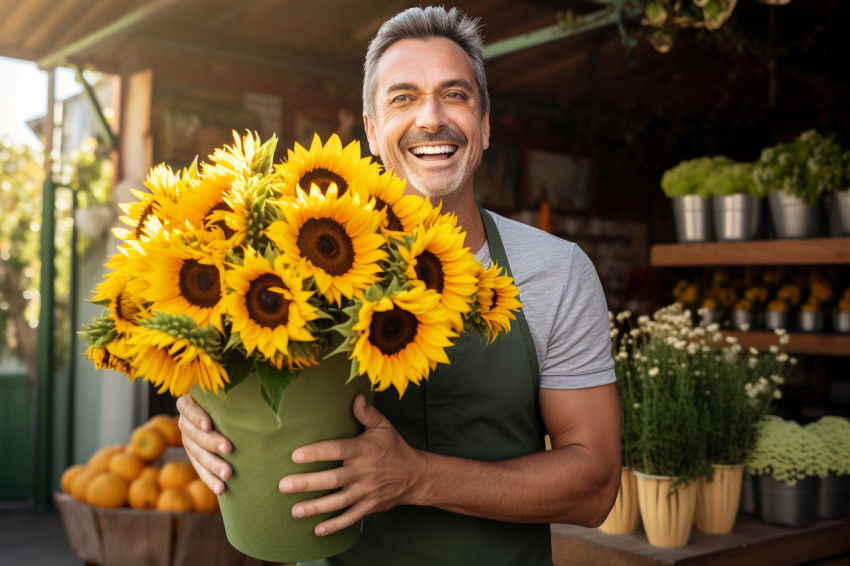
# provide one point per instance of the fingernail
(222, 472)
(297, 457)
(321, 531)
(218, 489)
(287, 486)
(221, 447)
(298, 511)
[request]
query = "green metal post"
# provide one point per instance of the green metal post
(46, 325)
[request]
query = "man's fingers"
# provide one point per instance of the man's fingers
(191, 411)
(367, 414)
(351, 516)
(316, 481)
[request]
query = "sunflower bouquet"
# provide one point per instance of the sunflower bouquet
(240, 265)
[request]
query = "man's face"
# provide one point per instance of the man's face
(428, 123)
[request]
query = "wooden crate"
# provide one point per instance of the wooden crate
(131, 537)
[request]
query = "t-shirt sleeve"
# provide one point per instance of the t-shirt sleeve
(578, 352)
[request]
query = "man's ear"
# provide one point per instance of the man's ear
(372, 136)
(485, 130)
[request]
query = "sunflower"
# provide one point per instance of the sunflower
(402, 212)
(181, 273)
(174, 354)
(495, 300)
(268, 307)
(125, 308)
(334, 239)
(436, 258)
(400, 338)
(112, 356)
(321, 166)
(247, 157)
(148, 214)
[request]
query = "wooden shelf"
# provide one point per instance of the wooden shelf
(811, 251)
(799, 343)
(750, 542)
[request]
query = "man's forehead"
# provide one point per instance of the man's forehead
(408, 61)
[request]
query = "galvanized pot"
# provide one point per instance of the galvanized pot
(693, 218)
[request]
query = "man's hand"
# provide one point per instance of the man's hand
(202, 442)
(379, 472)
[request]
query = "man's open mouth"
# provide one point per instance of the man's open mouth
(433, 151)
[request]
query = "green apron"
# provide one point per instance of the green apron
(484, 406)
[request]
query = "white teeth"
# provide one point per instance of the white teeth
(433, 149)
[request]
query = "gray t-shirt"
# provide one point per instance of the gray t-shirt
(563, 303)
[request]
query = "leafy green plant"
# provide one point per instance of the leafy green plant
(629, 387)
(834, 432)
(689, 177)
(809, 166)
(787, 452)
(730, 179)
(689, 397)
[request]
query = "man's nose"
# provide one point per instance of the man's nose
(431, 116)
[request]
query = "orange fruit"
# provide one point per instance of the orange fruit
(81, 483)
(148, 443)
(176, 475)
(127, 465)
(68, 476)
(174, 500)
(204, 500)
(150, 473)
(143, 493)
(107, 489)
(100, 459)
(167, 425)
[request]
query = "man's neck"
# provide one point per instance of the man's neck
(463, 204)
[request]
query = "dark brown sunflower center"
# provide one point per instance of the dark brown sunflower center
(323, 178)
(199, 284)
(143, 218)
(228, 233)
(393, 221)
(391, 331)
(327, 245)
(429, 270)
(266, 307)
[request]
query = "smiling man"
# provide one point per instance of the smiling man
(456, 472)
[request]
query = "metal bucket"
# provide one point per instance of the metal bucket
(743, 319)
(777, 319)
(841, 322)
(833, 496)
(693, 219)
(747, 504)
(810, 321)
(710, 316)
(841, 205)
(793, 218)
(737, 217)
(787, 505)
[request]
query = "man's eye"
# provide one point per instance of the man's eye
(457, 95)
(400, 98)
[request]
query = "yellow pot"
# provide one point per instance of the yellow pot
(717, 500)
(667, 519)
(625, 515)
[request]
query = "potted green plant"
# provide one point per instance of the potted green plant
(684, 184)
(834, 490)
(738, 389)
(736, 201)
(788, 462)
(625, 514)
(671, 449)
(796, 175)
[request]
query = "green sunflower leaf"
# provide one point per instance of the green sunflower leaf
(238, 368)
(273, 383)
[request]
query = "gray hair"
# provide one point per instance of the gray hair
(418, 23)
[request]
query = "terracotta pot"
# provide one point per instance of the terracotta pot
(667, 517)
(625, 515)
(717, 500)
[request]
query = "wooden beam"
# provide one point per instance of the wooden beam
(135, 19)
